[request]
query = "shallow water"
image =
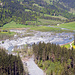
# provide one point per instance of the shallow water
(47, 37)
(56, 38)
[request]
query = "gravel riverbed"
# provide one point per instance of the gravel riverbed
(52, 37)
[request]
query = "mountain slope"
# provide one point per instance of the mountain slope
(69, 3)
(48, 6)
(13, 10)
(16, 10)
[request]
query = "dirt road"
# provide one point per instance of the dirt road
(33, 69)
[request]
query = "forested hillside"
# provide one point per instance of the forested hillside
(12, 10)
(54, 60)
(69, 3)
(48, 8)
(10, 65)
(21, 11)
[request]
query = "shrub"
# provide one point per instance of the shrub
(2, 42)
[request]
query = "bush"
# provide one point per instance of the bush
(2, 42)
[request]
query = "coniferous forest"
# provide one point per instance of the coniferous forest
(10, 65)
(54, 60)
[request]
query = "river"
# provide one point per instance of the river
(47, 37)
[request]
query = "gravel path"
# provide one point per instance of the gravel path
(33, 69)
(71, 45)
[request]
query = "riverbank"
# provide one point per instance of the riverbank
(68, 45)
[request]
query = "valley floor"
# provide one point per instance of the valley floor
(21, 39)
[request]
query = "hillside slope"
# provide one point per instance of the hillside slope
(21, 11)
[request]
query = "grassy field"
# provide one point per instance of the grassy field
(47, 22)
(70, 25)
(6, 35)
(14, 25)
(60, 17)
(31, 23)
(34, 27)
(67, 46)
(46, 29)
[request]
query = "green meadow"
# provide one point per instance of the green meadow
(46, 29)
(60, 17)
(67, 46)
(70, 25)
(47, 22)
(14, 25)
(6, 35)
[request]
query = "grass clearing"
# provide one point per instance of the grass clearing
(70, 25)
(60, 17)
(46, 29)
(14, 25)
(67, 46)
(6, 35)
(31, 22)
(47, 22)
